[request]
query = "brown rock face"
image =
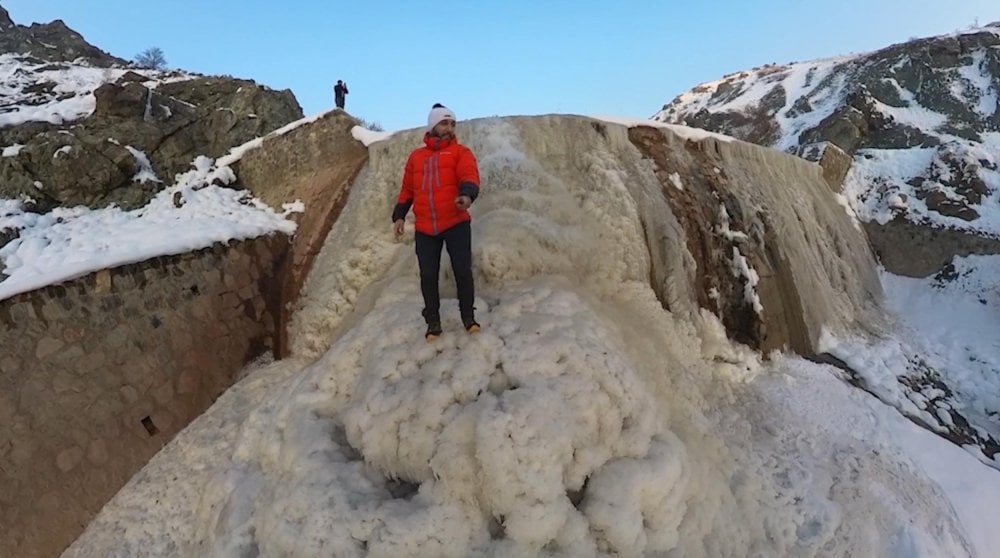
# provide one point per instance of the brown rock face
(171, 124)
(315, 164)
(165, 124)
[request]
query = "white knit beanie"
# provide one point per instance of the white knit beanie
(439, 113)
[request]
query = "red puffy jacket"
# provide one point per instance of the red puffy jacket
(435, 175)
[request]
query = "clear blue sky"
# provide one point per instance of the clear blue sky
(492, 57)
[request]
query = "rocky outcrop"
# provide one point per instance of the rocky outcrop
(51, 42)
(315, 164)
(88, 162)
(927, 251)
(142, 120)
(834, 162)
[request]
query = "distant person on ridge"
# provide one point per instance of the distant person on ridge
(441, 181)
(340, 94)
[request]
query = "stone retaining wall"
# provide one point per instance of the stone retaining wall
(98, 373)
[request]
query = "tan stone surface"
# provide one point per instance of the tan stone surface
(85, 362)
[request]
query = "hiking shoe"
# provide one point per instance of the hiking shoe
(433, 330)
(470, 325)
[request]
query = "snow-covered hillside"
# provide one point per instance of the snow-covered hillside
(920, 120)
(38, 91)
(584, 420)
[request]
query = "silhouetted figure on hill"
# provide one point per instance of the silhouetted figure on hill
(340, 93)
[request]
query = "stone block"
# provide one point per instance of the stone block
(163, 393)
(80, 437)
(73, 334)
(47, 346)
(230, 301)
(97, 452)
(123, 282)
(22, 312)
(201, 311)
(102, 281)
(69, 458)
(181, 343)
(110, 303)
(129, 394)
(247, 293)
(22, 450)
(92, 360)
(164, 420)
(189, 381)
(118, 336)
(64, 382)
(71, 354)
(10, 364)
(138, 376)
(833, 160)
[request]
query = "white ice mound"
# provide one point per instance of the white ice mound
(535, 434)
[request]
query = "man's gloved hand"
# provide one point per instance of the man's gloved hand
(463, 202)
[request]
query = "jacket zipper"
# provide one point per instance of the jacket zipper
(427, 183)
(435, 177)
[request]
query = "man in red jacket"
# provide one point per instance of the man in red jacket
(440, 182)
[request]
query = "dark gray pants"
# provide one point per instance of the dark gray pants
(459, 242)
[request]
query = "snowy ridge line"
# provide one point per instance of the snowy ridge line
(815, 72)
